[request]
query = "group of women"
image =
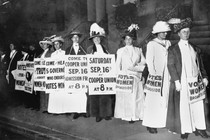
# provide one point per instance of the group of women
(134, 106)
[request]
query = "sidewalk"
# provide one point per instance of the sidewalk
(38, 125)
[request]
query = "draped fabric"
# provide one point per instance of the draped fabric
(129, 106)
(183, 117)
(156, 104)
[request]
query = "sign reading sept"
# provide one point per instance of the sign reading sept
(101, 74)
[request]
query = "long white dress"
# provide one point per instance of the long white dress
(191, 115)
(129, 106)
(155, 110)
(56, 101)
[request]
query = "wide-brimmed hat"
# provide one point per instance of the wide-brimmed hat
(185, 23)
(96, 31)
(131, 31)
(75, 33)
(161, 26)
(57, 38)
(46, 40)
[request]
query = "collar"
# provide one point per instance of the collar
(183, 41)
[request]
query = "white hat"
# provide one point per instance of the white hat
(45, 41)
(161, 26)
(57, 38)
(96, 30)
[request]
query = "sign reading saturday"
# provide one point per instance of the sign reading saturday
(20, 75)
(101, 74)
(124, 83)
(55, 75)
(76, 79)
(29, 76)
(39, 74)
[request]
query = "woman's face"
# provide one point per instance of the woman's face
(75, 38)
(44, 46)
(12, 47)
(184, 33)
(57, 45)
(128, 40)
(97, 40)
(162, 35)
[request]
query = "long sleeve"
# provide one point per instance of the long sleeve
(150, 58)
(140, 65)
(119, 61)
(171, 66)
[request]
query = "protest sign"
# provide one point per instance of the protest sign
(101, 74)
(29, 76)
(197, 89)
(55, 74)
(19, 75)
(153, 84)
(76, 80)
(124, 83)
(39, 74)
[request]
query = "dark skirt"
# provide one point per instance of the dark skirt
(100, 105)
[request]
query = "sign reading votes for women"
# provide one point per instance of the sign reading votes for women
(101, 74)
(29, 77)
(76, 80)
(55, 75)
(20, 75)
(124, 83)
(153, 84)
(197, 89)
(39, 74)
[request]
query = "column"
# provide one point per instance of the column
(100, 10)
(91, 10)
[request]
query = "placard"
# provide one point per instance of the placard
(101, 74)
(124, 83)
(29, 77)
(76, 80)
(55, 75)
(19, 75)
(39, 74)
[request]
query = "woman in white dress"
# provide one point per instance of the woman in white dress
(130, 60)
(56, 99)
(156, 57)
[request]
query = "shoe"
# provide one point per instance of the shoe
(76, 116)
(44, 112)
(131, 122)
(68, 114)
(184, 136)
(84, 115)
(107, 118)
(98, 119)
(201, 133)
(152, 130)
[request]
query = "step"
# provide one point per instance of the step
(193, 34)
(33, 131)
(200, 22)
(201, 28)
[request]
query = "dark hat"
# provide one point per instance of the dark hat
(75, 33)
(131, 34)
(185, 23)
(131, 31)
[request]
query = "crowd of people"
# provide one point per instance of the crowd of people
(173, 65)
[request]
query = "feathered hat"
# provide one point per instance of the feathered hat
(185, 23)
(75, 33)
(46, 40)
(96, 31)
(131, 31)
